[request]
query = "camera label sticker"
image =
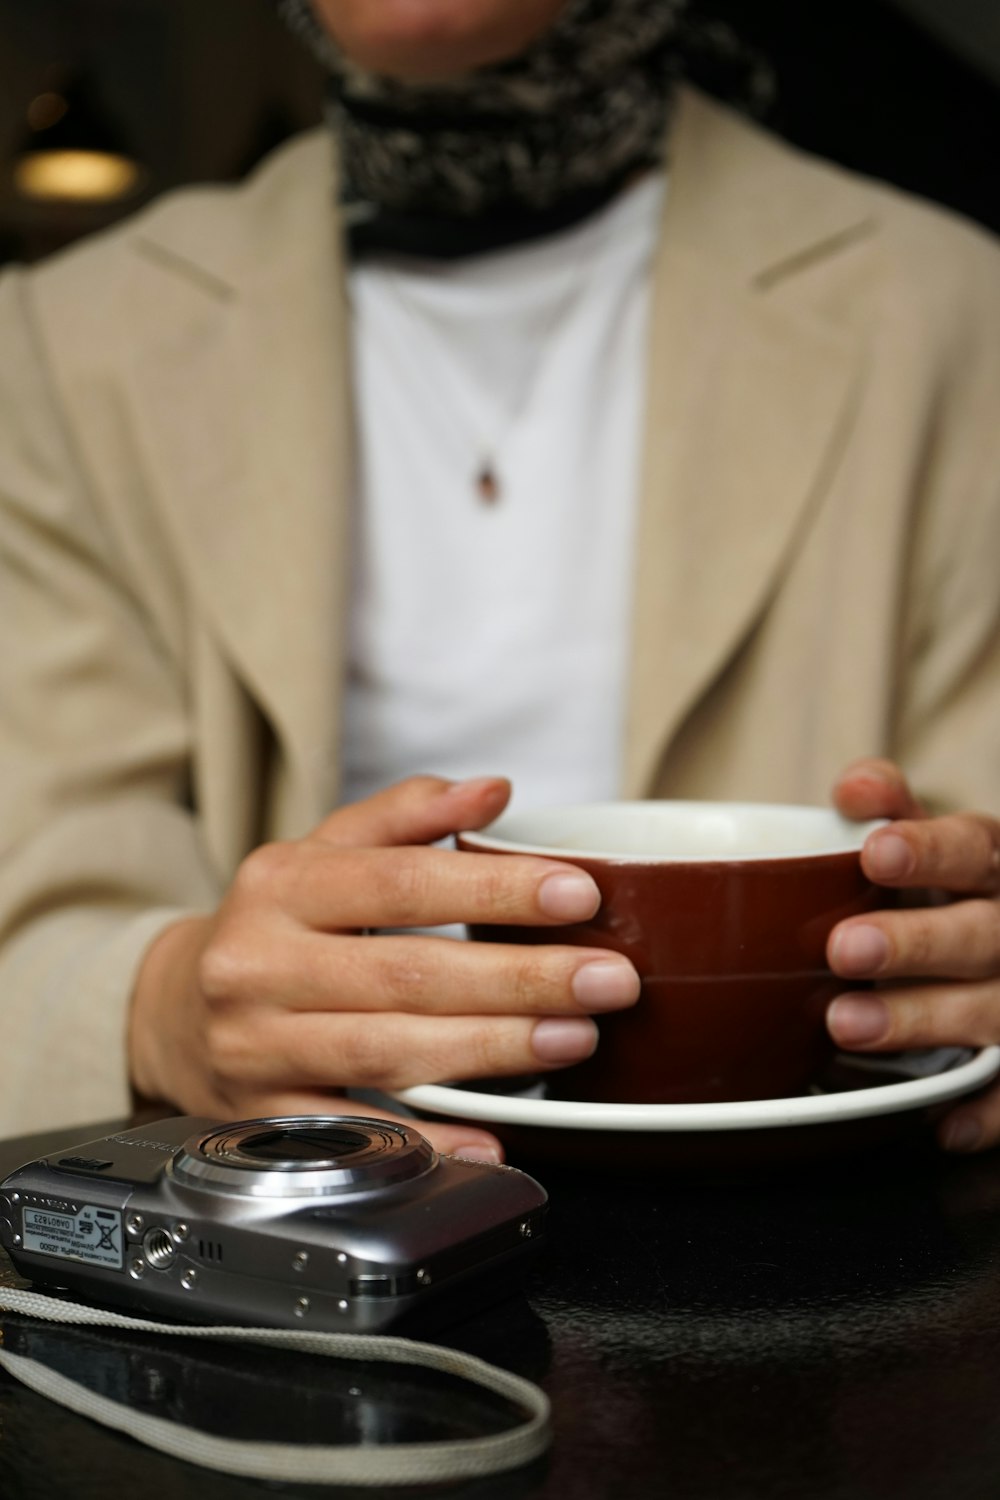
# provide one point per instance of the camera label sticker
(91, 1234)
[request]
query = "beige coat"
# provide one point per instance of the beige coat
(817, 572)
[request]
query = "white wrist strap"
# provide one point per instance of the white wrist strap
(402, 1463)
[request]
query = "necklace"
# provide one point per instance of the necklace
(488, 444)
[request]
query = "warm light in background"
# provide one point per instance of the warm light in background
(71, 152)
(83, 176)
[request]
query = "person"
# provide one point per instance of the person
(588, 434)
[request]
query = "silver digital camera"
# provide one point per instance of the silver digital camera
(326, 1222)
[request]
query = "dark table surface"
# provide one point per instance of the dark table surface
(823, 1330)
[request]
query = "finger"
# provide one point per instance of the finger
(322, 1050)
(420, 810)
(959, 852)
(332, 889)
(452, 1140)
(959, 941)
(973, 1126)
(874, 788)
(920, 1015)
(423, 975)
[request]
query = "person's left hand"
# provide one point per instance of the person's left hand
(936, 965)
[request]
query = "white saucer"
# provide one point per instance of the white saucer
(952, 1074)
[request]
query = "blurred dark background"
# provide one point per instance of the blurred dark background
(175, 91)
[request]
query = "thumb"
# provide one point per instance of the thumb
(875, 789)
(420, 810)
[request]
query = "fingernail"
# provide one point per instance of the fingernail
(961, 1134)
(606, 984)
(479, 1151)
(474, 784)
(568, 897)
(564, 1041)
(888, 857)
(854, 1020)
(859, 951)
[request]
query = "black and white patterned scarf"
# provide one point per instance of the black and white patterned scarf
(508, 151)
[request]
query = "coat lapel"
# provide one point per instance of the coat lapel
(244, 411)
(750, 387)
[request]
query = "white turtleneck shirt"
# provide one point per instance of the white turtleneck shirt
(493, 637)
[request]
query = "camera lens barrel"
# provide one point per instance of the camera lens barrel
(302, 1155)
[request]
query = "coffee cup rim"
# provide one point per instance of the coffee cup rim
(496, 839)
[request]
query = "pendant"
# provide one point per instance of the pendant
(487, 484)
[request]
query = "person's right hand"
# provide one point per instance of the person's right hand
(288, 993)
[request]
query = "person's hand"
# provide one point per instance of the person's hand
(288, 993)
(936, 965)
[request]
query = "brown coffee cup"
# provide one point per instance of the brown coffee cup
(725, 910)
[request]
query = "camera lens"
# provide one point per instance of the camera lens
(302, 1155)
(325, 1143)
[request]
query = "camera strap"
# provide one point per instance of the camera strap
(399, 1464)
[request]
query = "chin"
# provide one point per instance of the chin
(420, 41)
